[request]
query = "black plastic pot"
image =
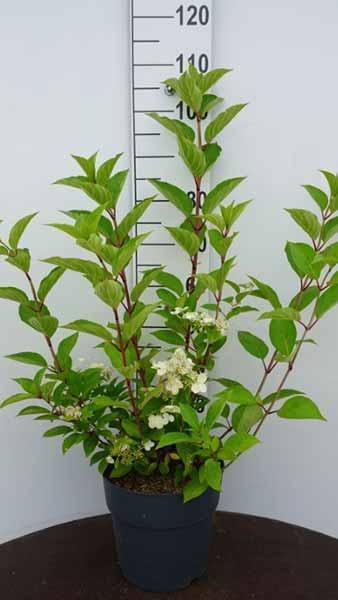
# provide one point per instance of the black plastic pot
(162, 544)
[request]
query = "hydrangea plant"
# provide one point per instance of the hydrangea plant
(147, 409)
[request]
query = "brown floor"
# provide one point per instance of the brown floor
(251, 559)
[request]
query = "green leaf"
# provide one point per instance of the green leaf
(209, 102)
(175, 195)
(28, 385)
(267, 292)
(334, 278)
(189, 91)
(87, 165)
(286, 393)
(329, 256)
(74, 182)
(283, 336)
(16, 398)
(307, 220)
(91, 270)
(245, 417)
(132, 327)
(332, 180)
(46, 324)
(131, 219)
(126, 252)
(219, 193)
(300, 407)
(89, 445)
(221, 121)
(240, 442)
(167, 297)
(29, 358)
(142, 286)
(220, 243)
(253, 344)
(18, 229)
(131, 428)
(170, 281)
(100, 194)
(208, 281)
(193, 488)
(66, 228)
(214, 412)
(33, 410)
(300, 257)
(282, 314)
(89, 327)
(237, 394)
(330, 229)
(168, 336)
(189, 241)
(98, 456)
(105, 170)
(211, 77)
(71, 440)
(303, 299)
(192, 156)
(114, 356)
(189, 415)
(48, 282)
(110, 292)
(232, 212)
(211, 153)
(327, 300)
(213, 474)
(318, 196)
(115, 186)
(65, 348)
(14, 294)
(175, 126)
(174, 437)
(21, 260)
(54, 431)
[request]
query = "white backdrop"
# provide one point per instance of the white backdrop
(65, 84)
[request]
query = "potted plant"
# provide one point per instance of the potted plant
(160, 441)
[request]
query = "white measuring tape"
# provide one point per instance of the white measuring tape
(164, 37)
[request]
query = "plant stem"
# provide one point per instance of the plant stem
(125, 364)
(47, 337)
(287, 372)
(196, 227)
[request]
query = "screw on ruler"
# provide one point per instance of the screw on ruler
(164, 37)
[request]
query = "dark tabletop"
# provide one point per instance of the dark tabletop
(251, 559)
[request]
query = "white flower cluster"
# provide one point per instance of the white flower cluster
(178, 372)
(201, 319)
(70, 413)
(106, 372)
(148, 445)
(166, 416)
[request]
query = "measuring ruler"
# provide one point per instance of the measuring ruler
(164, 37)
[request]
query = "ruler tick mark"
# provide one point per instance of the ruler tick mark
(158, 244)
(153, 17)
(156, 156)
(153, 65)
(147, 134)
(158, 110)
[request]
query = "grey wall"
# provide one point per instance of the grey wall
(65, 89)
